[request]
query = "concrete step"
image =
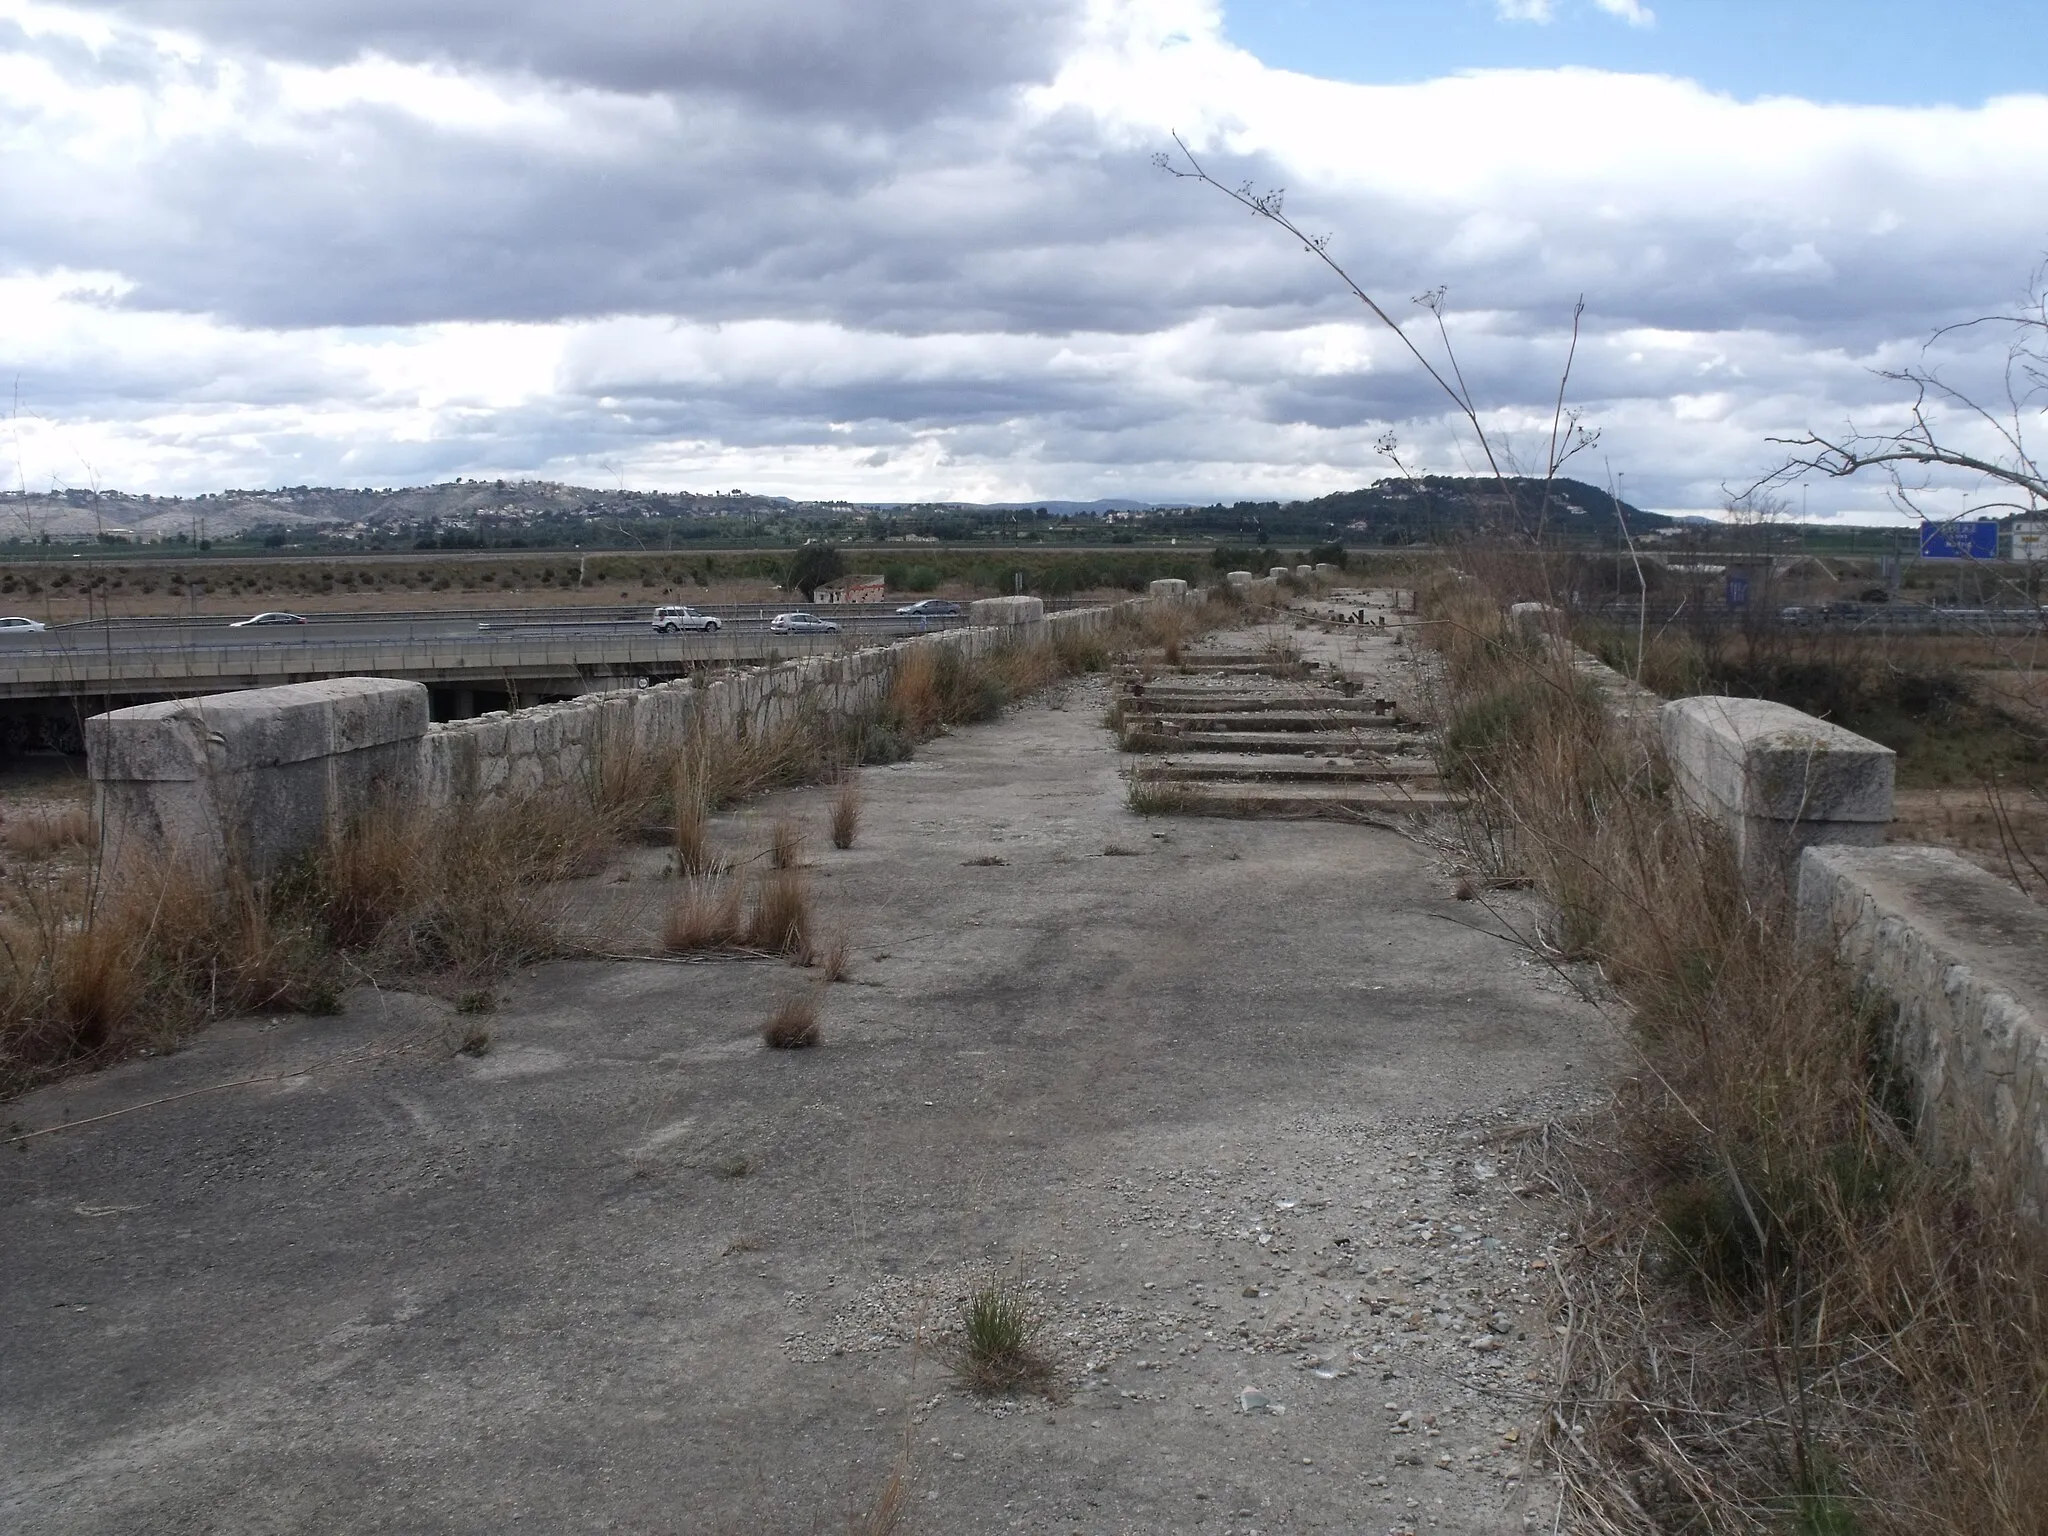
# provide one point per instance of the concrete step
(1274, 720)
(1279, 743)
(1298, 802)
(1155, 702)
(1417, 772)
(1239, 666)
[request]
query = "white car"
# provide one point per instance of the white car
(801, 624)
(669, 621)
(267, 618)
(22, 626)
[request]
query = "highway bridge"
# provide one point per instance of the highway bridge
(50, 681)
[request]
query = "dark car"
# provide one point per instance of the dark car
(929, 608)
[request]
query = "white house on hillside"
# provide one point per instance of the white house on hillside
(853, 589)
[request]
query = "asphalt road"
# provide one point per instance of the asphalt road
(132, 635)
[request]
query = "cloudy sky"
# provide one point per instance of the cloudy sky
(918, 248)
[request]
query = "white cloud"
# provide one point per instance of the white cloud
(1543, 12)
(248, 252)
(1633, 12)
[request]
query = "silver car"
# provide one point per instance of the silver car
(801, 624)
(680, 618)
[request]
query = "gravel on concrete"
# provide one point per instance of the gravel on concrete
(1234, 1104)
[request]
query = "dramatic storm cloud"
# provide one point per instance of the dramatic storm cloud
(919, 249)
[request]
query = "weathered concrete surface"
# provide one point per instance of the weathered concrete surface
(265, 773)
(1964, 957)
(1146, 1067)
(1778, 779)
(1006, 610)
(1168, 588)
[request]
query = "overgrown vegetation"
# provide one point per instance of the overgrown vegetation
(1782, 1316)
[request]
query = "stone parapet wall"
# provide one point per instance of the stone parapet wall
(555, 747)
(1963, 958)
(258, 777)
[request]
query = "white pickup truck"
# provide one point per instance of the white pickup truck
(669, 621)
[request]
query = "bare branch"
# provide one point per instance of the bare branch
(1927, 443)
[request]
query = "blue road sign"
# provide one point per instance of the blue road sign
(1738, 591)
(1959, 541)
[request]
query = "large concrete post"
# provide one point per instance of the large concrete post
(1779, 780)
(1006, 610)
(255, 778)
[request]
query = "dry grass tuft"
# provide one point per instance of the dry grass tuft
(846, 813)
(835, 963)
(90, 971)
(996, 1353)
(794, 1024)
(96, 985)
(706, 914)
(786, 847)
(1152, 797)
(779, 919)
(914, 702)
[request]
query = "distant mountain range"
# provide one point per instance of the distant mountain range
(1421, 507)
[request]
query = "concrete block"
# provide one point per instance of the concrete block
(1964, 958)
(259, 776)
(1169, 589)
(1239, 578)
(1777, 779)
(1305, 572)
(1327, 571)
(1535, 619)
(1277, 572)
(1005, 610)
(1767, 759)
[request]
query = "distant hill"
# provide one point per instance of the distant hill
(72, 516)
(499, 511)
(1433, 505)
